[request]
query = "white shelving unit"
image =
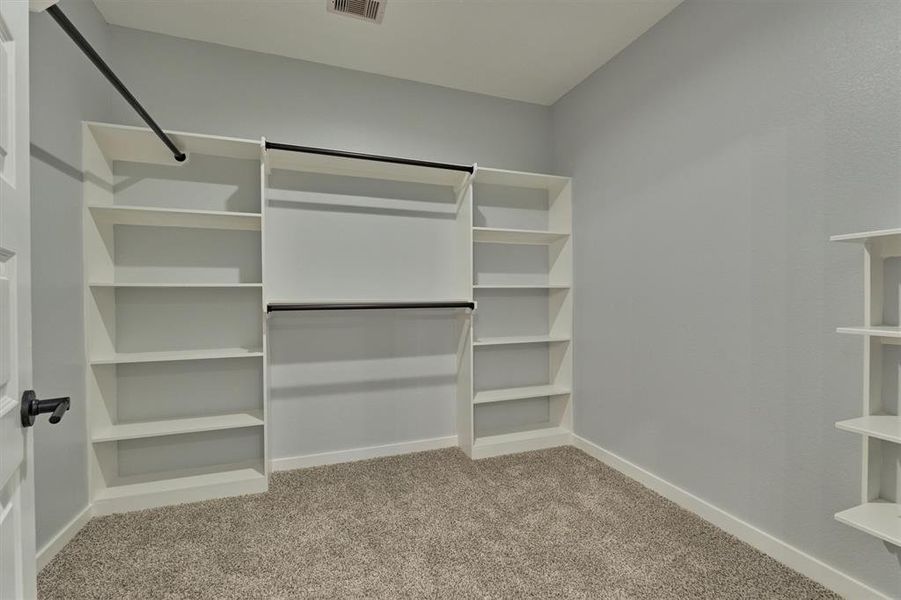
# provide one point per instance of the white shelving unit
(522, 278)
(879, 513)
(176, 285)
(173, 312)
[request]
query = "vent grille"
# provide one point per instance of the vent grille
(367, 10)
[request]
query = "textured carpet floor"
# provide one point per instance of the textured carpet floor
(548, 524)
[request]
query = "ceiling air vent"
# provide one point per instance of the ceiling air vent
(367, 10)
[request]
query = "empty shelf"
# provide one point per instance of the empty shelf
(111, 284)
(145, 429)
(867, 235)
(516, 236)
(520, 393)
(175, 217)
(886, 331)
(175, 355)
(883, 427)
(520, 286)
(554, 184)
(881, 519)
(523, 339)
(520, 436)
(155, 483)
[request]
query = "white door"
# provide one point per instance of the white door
(17, 552)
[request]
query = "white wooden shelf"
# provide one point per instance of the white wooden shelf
(540, 437)
(145, 429)
(494, 235)
(518, 393)
(554, 184)
(880, 519)
(358, 167)
(140, 144)
(110, 284)
(883, 427)
(228, 400)
(175, 356)
(187, 485)
(886, 331)
(175, 217)
(522, 339)
(522, 286)
(866, 236)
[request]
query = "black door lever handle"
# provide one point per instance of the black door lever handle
(32, 407)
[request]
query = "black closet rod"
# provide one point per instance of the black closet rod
(287, 306)
(63, 21)
(373, 157)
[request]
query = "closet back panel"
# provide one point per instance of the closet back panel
(509, 207)
(203, 183)
(187, 319)
(189, 451)
(510, 264)
(147, 392)
(358, 379)
(892, 282)
(330, 237)
(503, 313)
(508, 417)
(891, 380)
(890, 470)
(511, 366)
(186, 255)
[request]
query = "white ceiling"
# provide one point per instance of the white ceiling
(530, 50)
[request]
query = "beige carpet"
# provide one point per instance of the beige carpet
(548, 524)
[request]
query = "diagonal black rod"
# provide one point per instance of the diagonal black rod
(63, 21)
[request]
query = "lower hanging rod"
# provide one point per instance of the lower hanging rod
(63, 21)
(289, 306)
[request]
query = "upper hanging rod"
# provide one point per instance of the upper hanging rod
(288, 306)
(373, 157)
(70, 29)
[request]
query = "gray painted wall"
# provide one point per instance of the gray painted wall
(65, 88)
(207, 88)
(712, 159)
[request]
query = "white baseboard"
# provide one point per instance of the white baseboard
(794, 558)
(63, 537)
(341, 456)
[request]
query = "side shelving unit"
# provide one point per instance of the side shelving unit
(174, 319)
(879, 513)
(521, 342)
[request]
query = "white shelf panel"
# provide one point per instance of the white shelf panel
(554, 184)
(140, 144)
(514, 286)
(175, 356)
(520, 393)
(187, 479)
(522, 339)
(881, 519)
(867, 236)
(358, 167)
(174, 217)
(883, 427)
(133, 431)
(539, 438)
(109, 284)
(494, 235)
(885, 331)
